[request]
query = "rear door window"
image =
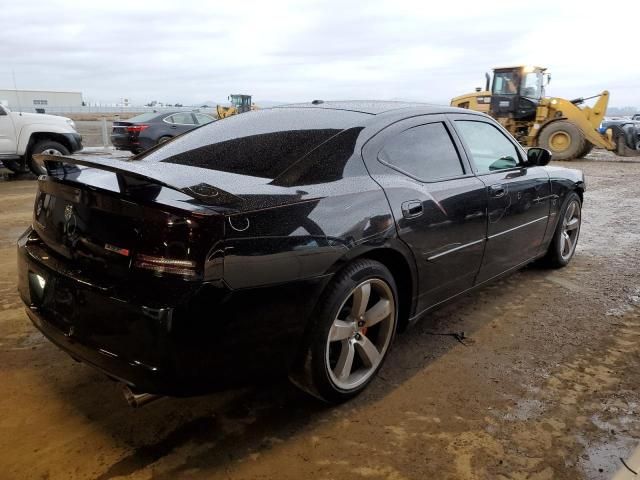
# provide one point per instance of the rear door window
(425, 152)
(184, 118)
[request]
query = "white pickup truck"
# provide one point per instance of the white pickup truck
(25, 134)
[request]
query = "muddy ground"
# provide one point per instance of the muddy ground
(544, 387)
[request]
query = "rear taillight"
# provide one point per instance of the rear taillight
(161, 265)
(136, 128)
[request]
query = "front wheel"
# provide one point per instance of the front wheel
(352, 331)
(48, 147)
(588, 146)
(565, 239)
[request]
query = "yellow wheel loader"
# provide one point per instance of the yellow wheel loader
(239, 104)
(566, 128)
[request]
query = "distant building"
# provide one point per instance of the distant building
(39, 100)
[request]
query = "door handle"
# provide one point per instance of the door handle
(174, 127)
(497, 190)
(412, 208)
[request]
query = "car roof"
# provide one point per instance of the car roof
(162, 115)
(372, 107)
(177, 111)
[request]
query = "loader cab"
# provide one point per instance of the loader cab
(516, 92)
(241, 102)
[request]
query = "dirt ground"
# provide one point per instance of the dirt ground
(545, 385)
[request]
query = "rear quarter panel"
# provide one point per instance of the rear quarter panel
(306, 239)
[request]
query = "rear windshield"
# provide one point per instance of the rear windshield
(143, 117)
(259, 144)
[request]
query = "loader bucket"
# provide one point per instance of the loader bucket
(627, 139)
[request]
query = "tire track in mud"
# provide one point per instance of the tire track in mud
(537, 418)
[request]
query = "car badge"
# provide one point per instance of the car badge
(68, 212)
(120, 251)
(39, 206)
(70, 221)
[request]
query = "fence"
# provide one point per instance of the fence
(61, 110)
(95, 123)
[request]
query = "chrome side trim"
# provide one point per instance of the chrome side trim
(516, 228)
(417, 316)
(546, 197)
(455, 249)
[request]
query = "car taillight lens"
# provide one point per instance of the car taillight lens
(184, 268)
(136, 128)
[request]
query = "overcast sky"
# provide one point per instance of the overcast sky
(280, 50)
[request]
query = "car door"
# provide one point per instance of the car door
(8, 144)
(181, 122)
(438, 204)
(518, 196)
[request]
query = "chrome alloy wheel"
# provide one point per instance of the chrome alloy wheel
(40, 165)
(570, 230)
(51, 151)
(360, 334)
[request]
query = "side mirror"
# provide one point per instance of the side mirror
(537, 156)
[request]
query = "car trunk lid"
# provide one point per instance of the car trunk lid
(108, 222)
(219, 191)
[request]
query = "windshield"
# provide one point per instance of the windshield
(505, 83)
(532, 85)
(238, 101)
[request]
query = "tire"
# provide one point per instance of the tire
(563, 139)
(163, 139)
(586, 150)
(16, 166)
(45, 146)
(558, 255)
(339, 361)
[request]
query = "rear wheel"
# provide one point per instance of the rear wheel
(48, 147)
(164, 139)
(352, 331)
(16, 166)
(563, 139)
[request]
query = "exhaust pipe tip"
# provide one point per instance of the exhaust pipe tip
(137, 400)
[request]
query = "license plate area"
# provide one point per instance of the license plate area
(54, 298)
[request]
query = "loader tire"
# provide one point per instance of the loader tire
(563, 139)
(588, 146)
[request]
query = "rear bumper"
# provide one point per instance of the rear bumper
(122, 142)
(130, 143)
(170, 340)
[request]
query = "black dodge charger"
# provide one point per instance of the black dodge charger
(297, 239)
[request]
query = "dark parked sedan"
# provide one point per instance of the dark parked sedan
(149, 129)
(298, 239)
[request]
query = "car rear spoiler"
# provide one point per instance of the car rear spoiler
(134, 176)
